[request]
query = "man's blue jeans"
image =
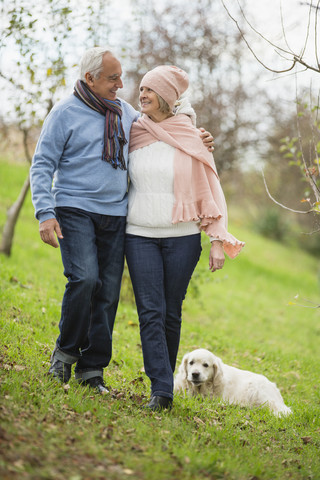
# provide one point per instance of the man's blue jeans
(92, 251)
(160, 270)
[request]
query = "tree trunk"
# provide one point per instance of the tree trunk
(12, 217)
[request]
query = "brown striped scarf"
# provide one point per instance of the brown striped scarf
(114, 136)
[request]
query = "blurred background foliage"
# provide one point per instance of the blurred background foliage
(40, 49)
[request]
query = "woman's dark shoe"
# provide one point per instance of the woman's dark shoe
(97, 383)
(159, 403)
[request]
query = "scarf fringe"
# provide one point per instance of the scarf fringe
(190, 212)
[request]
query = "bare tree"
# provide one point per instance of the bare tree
(303, 151)
(33, 102)
(288, 54)
(200, 42)
(306, 157)
(14, 210)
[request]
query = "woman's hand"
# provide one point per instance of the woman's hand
(216, 257)
(207, 139)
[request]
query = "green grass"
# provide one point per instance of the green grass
(242, 314)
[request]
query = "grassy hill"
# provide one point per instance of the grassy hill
(247, 314)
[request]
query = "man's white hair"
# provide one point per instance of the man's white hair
(91, 62)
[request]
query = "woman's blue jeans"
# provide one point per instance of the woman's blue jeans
(160, 271)
(92, 251)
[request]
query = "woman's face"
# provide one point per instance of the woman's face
(148, 101)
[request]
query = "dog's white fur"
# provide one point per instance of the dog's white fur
(203, 373)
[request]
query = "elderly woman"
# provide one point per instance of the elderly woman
(174, 194)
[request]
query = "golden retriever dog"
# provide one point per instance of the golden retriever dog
(203, 373)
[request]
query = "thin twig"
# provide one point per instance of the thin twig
(314, 304)
(296, 58)
(252, 51)
(311, 233)
(305, 64)
(313, 124)
(283, 56)
(308, 31)
(16, 85)
(316, 33)
(260, 34)
(305, 306)
(310, 178)
(287, 75)
(307, 4)
(280, 204)
(283, 29)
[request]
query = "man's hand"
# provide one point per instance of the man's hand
(207, 139)
(48, 229)
(216, 257)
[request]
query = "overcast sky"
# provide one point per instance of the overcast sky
(265, 17)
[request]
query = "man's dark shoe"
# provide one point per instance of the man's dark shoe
(60, 370)
(97, 383)
(159, 403)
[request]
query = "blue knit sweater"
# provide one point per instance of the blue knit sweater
(67, 168)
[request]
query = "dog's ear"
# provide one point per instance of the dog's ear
(180, 380)
(184, 366)
(217, 371)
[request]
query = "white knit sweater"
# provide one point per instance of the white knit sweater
(151, 197)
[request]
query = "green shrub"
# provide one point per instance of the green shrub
(272, 224)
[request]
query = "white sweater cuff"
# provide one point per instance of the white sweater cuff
(213, 239)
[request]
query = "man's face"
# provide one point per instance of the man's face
(109, 79)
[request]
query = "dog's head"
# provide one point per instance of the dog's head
(201, 367)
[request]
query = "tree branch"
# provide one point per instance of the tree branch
(25, 133)
(311, 233)
(309, 5)
(305, 64)
(280, 204)
(295, 58)
(314, 305)
(260, 34)
(316, 33)
(307, 35)
(283, 29)
(18, 86)
(252, 51)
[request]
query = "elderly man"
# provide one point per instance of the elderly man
(83, 146)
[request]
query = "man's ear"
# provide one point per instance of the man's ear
(89, 79)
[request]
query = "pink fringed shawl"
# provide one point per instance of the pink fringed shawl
(197, 190)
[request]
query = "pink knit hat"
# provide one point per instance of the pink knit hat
(167, 81)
